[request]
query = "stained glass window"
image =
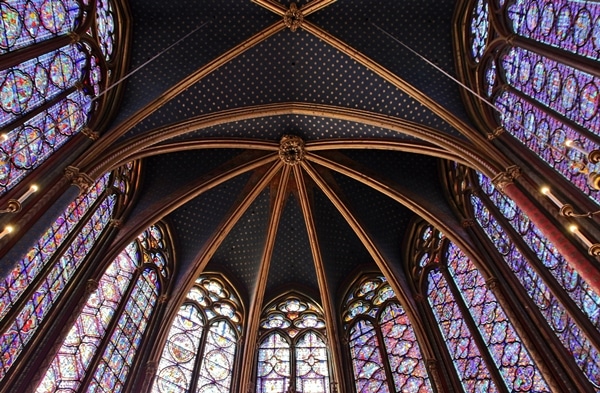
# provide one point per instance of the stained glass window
(561, 317)
(201, 346)
(292, 354)
(40, 277)
(482, 338)
(549, 103)
(382, 340)
(133, 279)
(47, 99)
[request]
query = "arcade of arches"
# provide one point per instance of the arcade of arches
(325, 196)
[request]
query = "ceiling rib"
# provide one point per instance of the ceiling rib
(166, 206)
(360, 232)
(256, 301)
(326, 298)
(406, 87)
(110, 137)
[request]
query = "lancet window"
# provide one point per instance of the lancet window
(534, 61)
(102, 344)
(385, 353)
(486, 350)
(202, 344)
(293, 355)
(50, 89)
(30, 290)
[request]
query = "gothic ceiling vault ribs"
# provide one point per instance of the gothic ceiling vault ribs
(229, 67)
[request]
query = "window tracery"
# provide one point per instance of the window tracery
(547, 102)
(49, 98)
(127, 292)
(475, 328)
(384, 349)
(199, 354)
(292, 354)
(30, 290)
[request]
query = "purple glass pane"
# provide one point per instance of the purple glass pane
(472, 369)
(510, 355)
(572, 25)
(117, 359)
(84, 338)
(27, 321)
(367, 361)
(26, 23)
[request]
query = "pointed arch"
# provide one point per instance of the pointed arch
(34, 286)
(57, 61)
(293, 353)
(102, 344)
(384, 349)
(202, 342)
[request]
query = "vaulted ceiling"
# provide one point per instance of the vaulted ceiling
(208, 115)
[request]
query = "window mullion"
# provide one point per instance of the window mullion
(41, 276)
(483, 349)
(574, 311)
(384, 355)
(110, 328)
(200, 353)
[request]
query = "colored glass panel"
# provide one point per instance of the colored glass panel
(36, 81)
(79, 347)
(546, 137)
(374, 298)
(30, 144)
(105, 23)
(217, 361)
(479, 29)
(174, 373)
(367, 360)
(572, 25)
(563, 325)
(404, 355)
(117, 359)
(274, 368)
(577, 289)
(36, 308)
(509, 354)
(466, 356)
(566, 90)
(29, 267)
(23, 23)
(312, 373)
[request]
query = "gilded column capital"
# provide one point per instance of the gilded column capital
(151, 367)
(495, 133)
(163, 299)
(91, 134)
(75, 38)
(83, 181)
(116, 223)
(503, 179)
(491, 283)
(91, 285)
(467, 223)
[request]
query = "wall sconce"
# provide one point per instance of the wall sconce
(592, 157)
(593, 248)
(567, 210)
(14, 205)
(7, 229)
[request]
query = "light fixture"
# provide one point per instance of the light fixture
(591, 157)
(14, 205)
(567, 210)
(7, 229)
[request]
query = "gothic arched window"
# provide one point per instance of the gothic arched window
(200, 352)
(385, 353)
(569, 305)
(292, 354)
(99, 352)
(537, 63)
(482, 342)
(55, 93)
(32, 287)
